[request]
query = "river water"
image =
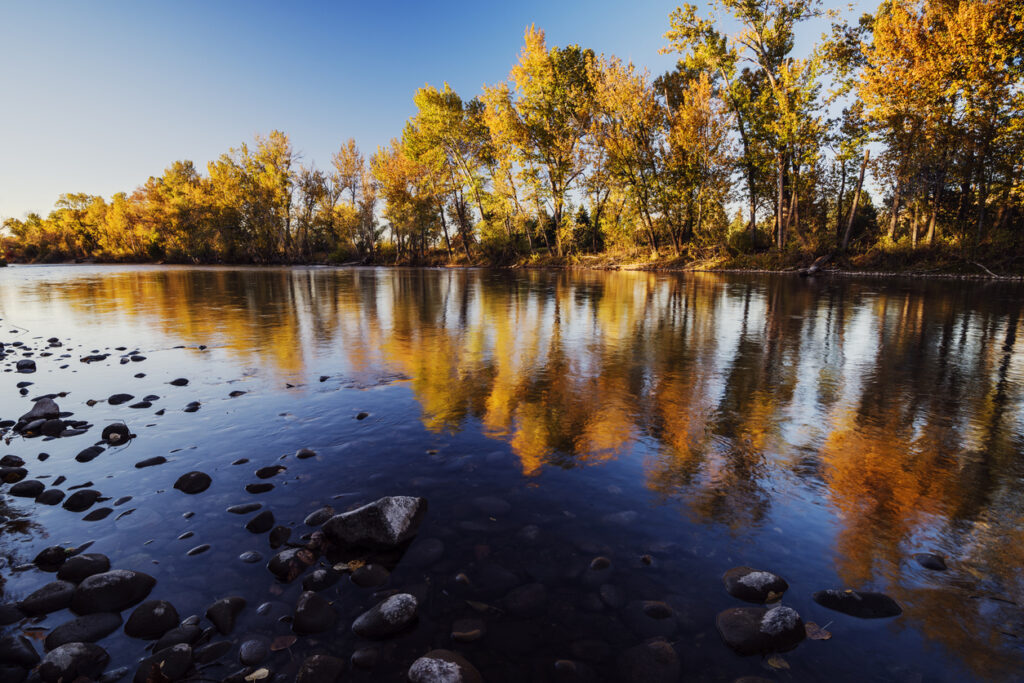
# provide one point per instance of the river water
(678, 425)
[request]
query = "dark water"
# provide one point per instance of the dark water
(825, 430)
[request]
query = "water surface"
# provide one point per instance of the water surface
(680, 425)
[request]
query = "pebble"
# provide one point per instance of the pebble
(223, 613)
(151, 620)
(193, 482)
(387, 618)
(313, 614)
(861, 604)
(443, 666)
(261, 523)
(252, 652)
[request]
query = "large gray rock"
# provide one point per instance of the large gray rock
(753, 585)
(443, 666)
(387, 618)
(111, 591)
(384, 523)
(72, 661)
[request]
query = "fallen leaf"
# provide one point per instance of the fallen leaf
(282, 643)
(35, 633)
(815, 632)
(773, 596)
(258, 675)
(777, 662)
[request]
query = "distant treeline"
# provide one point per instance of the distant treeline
(731, 152)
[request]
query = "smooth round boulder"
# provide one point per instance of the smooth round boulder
(193, 482)
(50, 497)
(87, 629)
(387, 618)
(29, 488)
(252, 652)
(320, 669)
(72, 661)
(52, 597)
(80, 567)
(111, 591)
(860, 604)
(151, 620)
(224, 612)
(118, 399)
(50, 559)
(755, 630)
(752, 585)
(443, 666)
(81, 500)
(313, 614)
(116, 433)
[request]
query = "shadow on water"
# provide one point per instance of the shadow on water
(824, 429)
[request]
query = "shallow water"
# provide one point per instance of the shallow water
(825, 430)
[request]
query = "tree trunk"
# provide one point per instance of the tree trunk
(779, 227)
(444, 229)
(913, 228)
(839, 200)
(895, 209)
(856, 201)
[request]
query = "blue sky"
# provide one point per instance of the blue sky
(96, 97)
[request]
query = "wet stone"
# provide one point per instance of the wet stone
(186, 633)
(318, 517)
(320, 579)
(50, 559)
(252, 652)
(9, 614)
(365, 657)
(755, 630)
(98, 514)
(526, 601)
(151, 620)
(262, 487)
(11, 461)
(151, 462)
(72, 661)
(18, 650)
(313, 614)
(212, 652)
(140, 405)
(261, 523)
(250, 557)
(88, 629)
(198, 550)
(111, 591)
(118, 399)
(193, 482)
(384, 523)
(89, 454)
(279, 535)
(10, 475)
(289, 564)
(320, 669)
(244, 508)
(50, 497)
(387, 618)
(170, 664)
(654, 662)
(52, 597)
(81, 500)
(223, 613)
(753, 585)
(468, 630)
(80, 567)
(180, 382)
(443, 666)
(270, 471)
(304, 453)
(423, 552)
(370, 576)
(864, 605)
(650, 618)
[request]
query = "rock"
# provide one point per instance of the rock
(320, 669)
(26, 365)
(72, 661)
(198, 550)
(80, 567)
(50, 497)
(98, 514)
(212, 652)
(18, 650)
(279, 535)
(50, 559)
(926, 560)
(193, 482)
(443, 666)
(244, 508)
(111, 591)
(611, 596)
(151, 620)
(752, 585)
(81, 500)
(259, 488)
(270, 471)
(170, 664)
(755, 630)
(864, 605)
(89, 454)
(526, 601)
(150, 462)
(250, 557)
(118, 399)
(261, 523)
(9, 614)
(289, 564)
(116, 433)
(52, 597)
(423, 552)
(224, 612)
(304, 453)
(653, 662)
(649, 618)
(370, 576)
(180, 382)
(10, 475)
(365, 657)
(387, 618)
(318, 517)
(385, 523)
(313, 614)
(252, 652)
(186, 633)
(236, 393)
(52, 428)
(320, 579)
(11, 461)
(191, 407)
(87, 629)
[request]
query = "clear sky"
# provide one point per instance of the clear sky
(96, 97)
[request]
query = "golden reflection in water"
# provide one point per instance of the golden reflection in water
(901, 403)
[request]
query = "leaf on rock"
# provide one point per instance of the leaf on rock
(815, 632)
